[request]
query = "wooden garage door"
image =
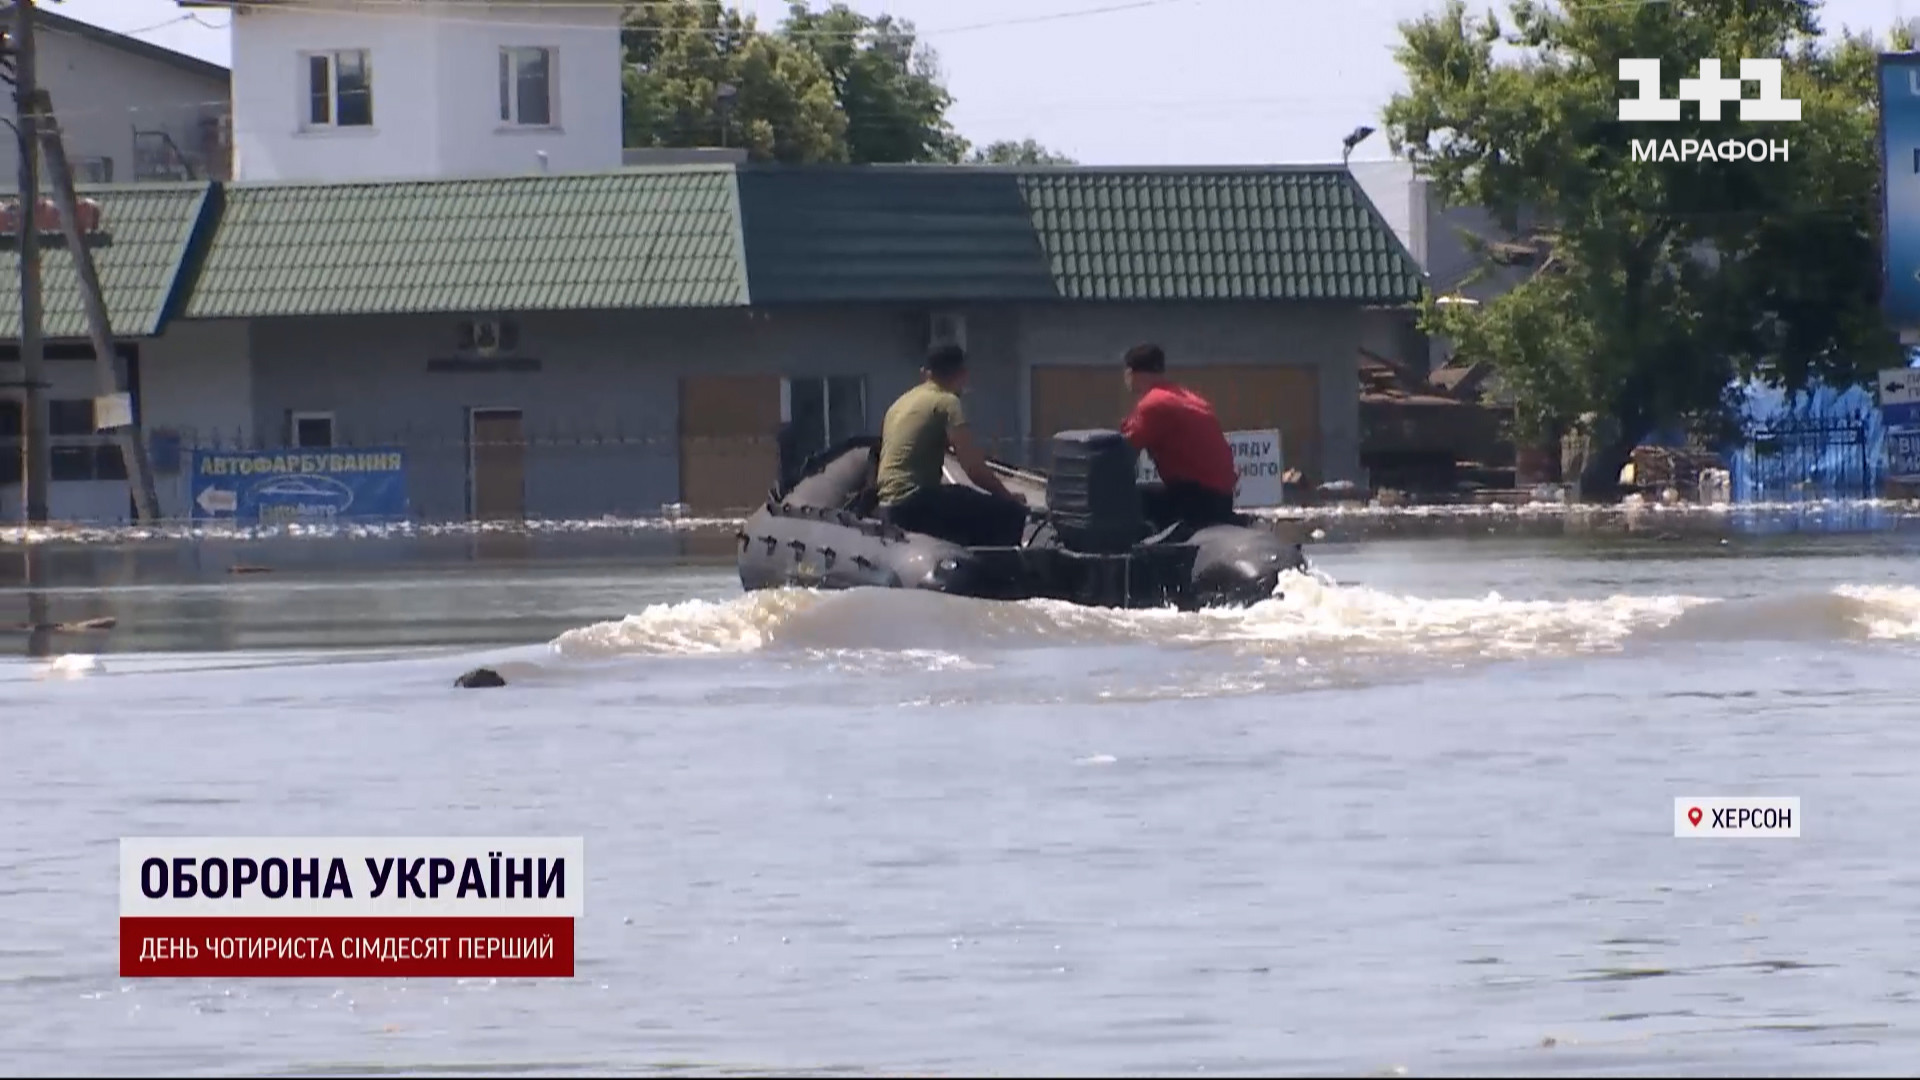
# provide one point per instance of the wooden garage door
(729, 451)
(1246, 397)
(1073, 398)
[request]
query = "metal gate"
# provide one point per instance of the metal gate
(1808, 456)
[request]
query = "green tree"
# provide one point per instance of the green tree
(833, 85)
(887, 83)
(1663, 283)
(1022, 152)
(682, 58)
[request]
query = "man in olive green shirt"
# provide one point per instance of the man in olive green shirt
(919, 429)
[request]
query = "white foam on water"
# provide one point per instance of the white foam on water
(1885, 612)
(70, 666)
(934, 630)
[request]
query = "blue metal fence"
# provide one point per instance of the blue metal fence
(1820, 444)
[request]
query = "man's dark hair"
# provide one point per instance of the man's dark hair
(1147, 359)
(946, 361)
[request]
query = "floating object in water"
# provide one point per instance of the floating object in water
(480, 678)
(80, 626)
(245, 569)
(71, 666)
(1092, 548)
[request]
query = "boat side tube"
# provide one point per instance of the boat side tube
(784, 545)
(1239, 564)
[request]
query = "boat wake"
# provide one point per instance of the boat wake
(1312, 615)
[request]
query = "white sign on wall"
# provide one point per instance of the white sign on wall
(1258, 456)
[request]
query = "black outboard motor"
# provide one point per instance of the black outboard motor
(1092, 493)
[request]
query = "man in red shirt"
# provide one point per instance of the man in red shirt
(1177, 428)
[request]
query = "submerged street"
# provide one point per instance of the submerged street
(1417, 813)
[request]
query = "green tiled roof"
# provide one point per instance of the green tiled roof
(1226, 234)
(148, 227)
(636, 238)
(817, 234)
(714, 236)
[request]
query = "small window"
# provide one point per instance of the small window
(846, 407)
(339, 89)
(526, 86)
(68, 463)
(70, 416)
(825, 411)
(310, 430)
(109, 463)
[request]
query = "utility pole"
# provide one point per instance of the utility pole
(126, 428)
(37, 468)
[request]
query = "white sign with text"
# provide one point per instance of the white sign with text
(1262, 465)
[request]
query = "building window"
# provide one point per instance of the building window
(79, 451)
(93, 170)
(70, 416)
(96, 462)
(825, 410)
(309, 430)
(339, 89)
(11, 428)
(526, 86)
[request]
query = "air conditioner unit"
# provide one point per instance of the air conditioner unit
(482, 336)
(486, 336)
(946, 328)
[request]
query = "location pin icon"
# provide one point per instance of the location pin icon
(1693, 816)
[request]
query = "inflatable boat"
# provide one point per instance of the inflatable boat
(1086, 540)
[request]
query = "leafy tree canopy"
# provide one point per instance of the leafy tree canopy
(1021, 152)
(827, 86)
(1660, 284)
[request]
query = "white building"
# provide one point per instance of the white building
(342, 90)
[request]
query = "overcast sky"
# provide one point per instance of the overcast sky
(1110, 82)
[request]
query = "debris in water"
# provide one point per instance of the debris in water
(480, 678)
(105, 622)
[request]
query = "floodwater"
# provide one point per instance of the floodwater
(1412, 818)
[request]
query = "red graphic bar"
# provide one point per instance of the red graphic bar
(346, 948)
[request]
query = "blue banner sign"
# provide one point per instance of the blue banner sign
(310, 486)
(1900, 184)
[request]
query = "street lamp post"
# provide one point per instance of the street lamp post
(723, 96)
(1353, 139)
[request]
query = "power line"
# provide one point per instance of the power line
(1186, 105)
(410, 10)
(190, 16)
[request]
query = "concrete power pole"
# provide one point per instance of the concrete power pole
(40, 139)
(37, 466)
(126, 427)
